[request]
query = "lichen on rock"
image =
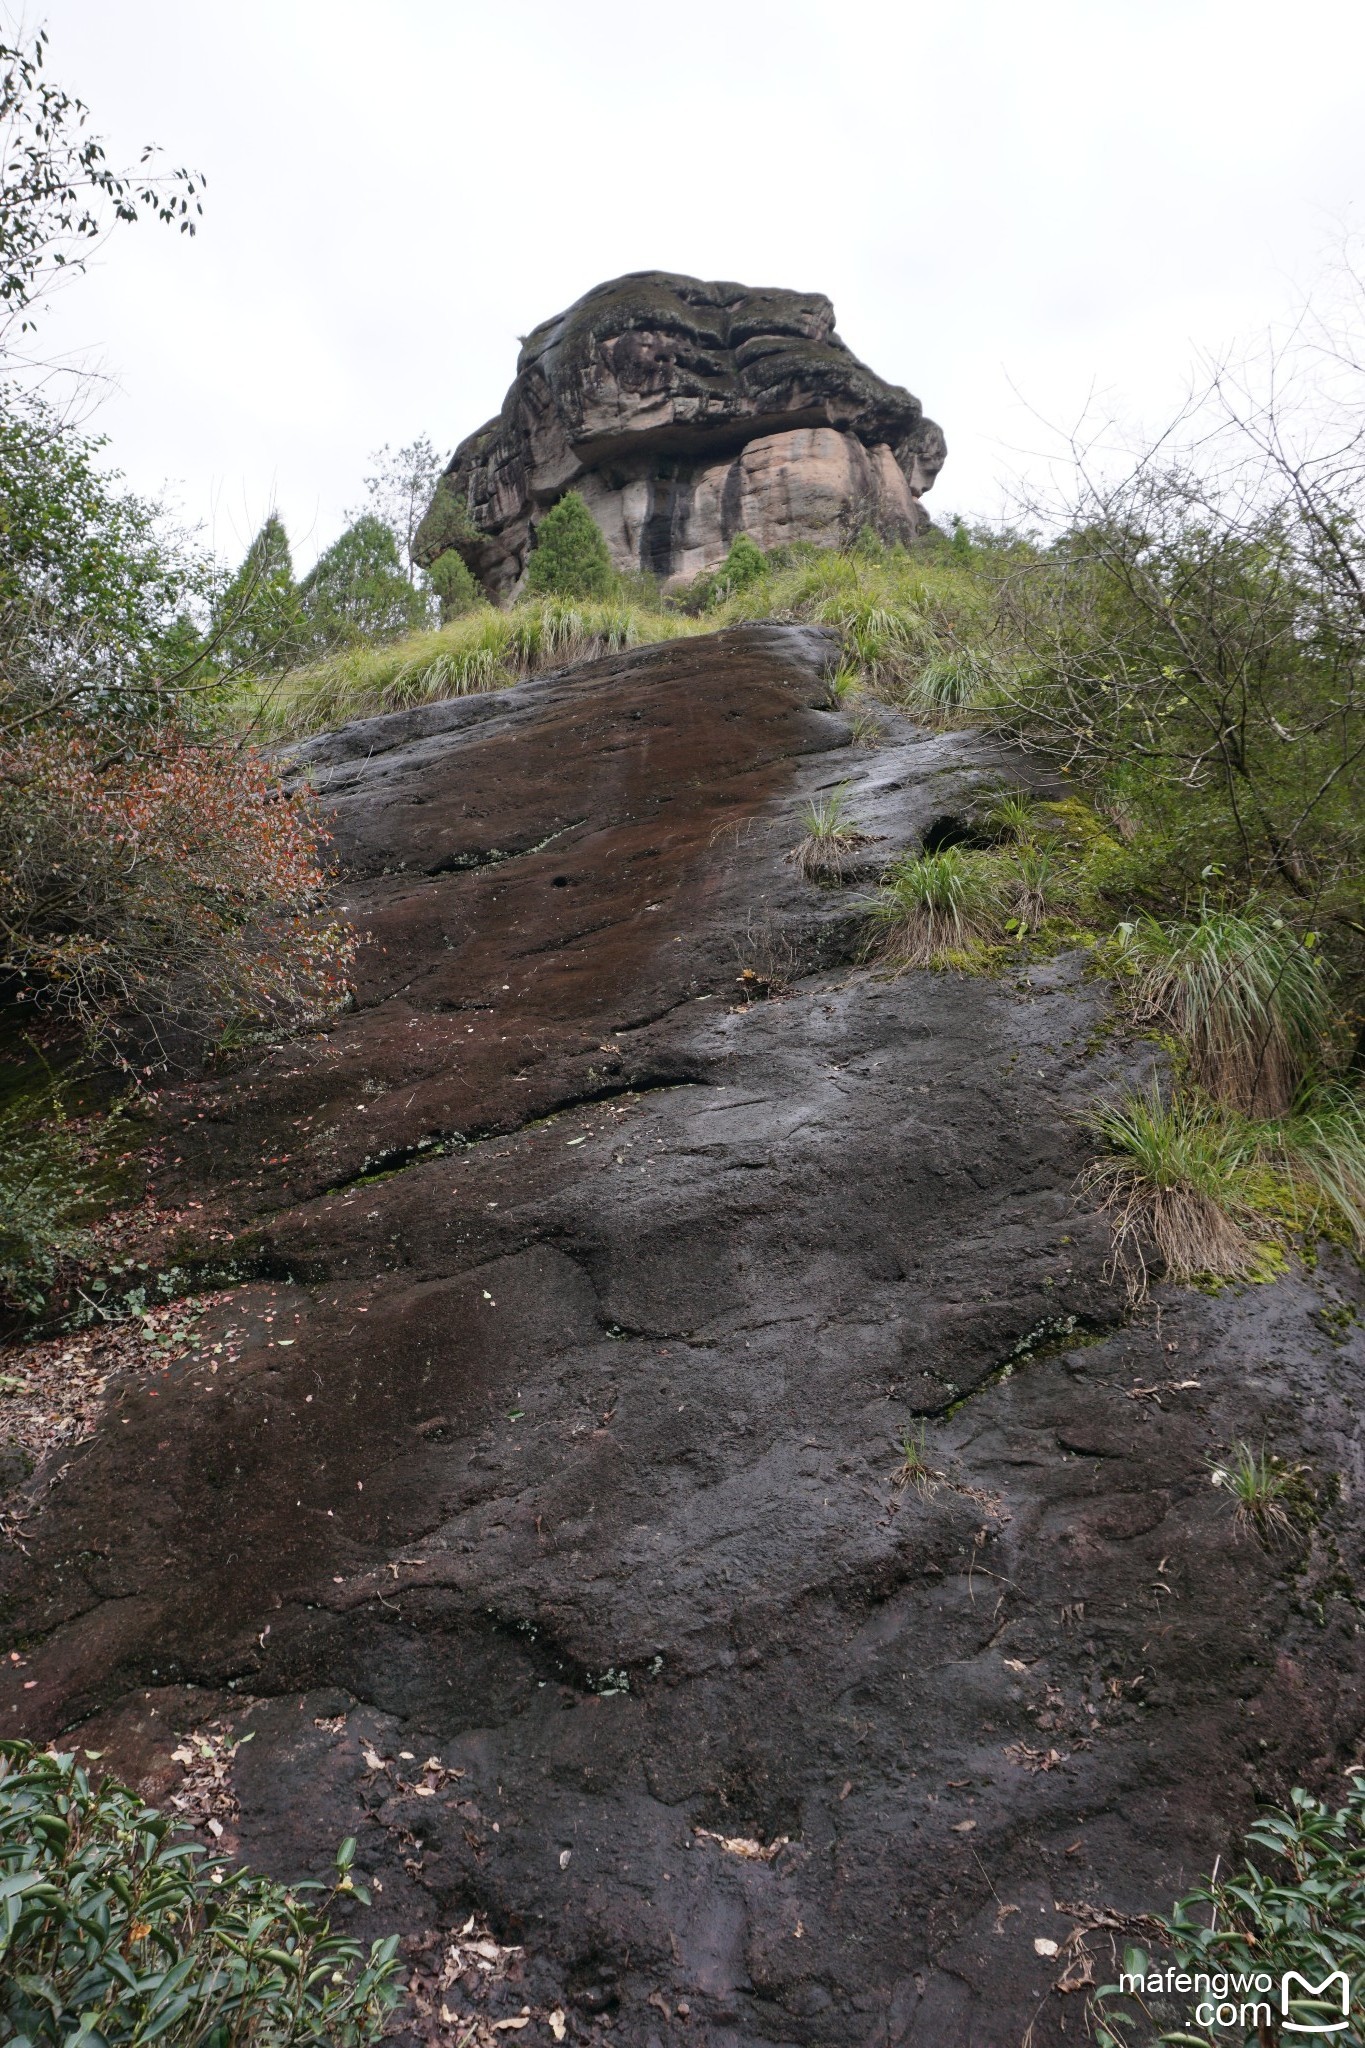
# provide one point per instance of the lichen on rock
(686, 413)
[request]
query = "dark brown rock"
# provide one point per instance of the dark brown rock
(686, 413)
(565, 1453)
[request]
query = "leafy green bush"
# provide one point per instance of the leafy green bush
(44, 1188)
(744, 564)
(116, 1929)
(1296, 1904)
(450, 577)
(570, 556)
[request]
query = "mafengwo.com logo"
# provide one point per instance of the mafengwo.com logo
(1244, 2001)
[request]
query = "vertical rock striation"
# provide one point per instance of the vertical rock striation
(686, 413)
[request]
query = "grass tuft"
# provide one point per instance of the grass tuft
(1248, 1001)
(936, 905)
(824, 854)
(1270, 1497)
(1180, 1176)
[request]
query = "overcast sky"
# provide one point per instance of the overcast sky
(1010, 205)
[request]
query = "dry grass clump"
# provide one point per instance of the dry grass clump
(936, 906)
(1248, 1000)
(1181, 1177)
(825, 853)
(1271, 1498)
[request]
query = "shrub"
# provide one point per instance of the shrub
(154, 884)
(952, 682)
(44, 1189)
(454, 585)
(116, 1929)
(570, 556)
(744, 564)
(1247, 999)
(1297, 1903)
(1322, 1146)
(936, 905)
(257, 623)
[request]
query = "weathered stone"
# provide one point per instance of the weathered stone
(686, 413)
(584, 1305)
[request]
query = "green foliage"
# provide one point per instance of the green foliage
(484, 649)
(1295, 1903)
(570, 556)
(59, 194)
(258, 623)
(357, 591)
(1247, 999)
(115, 1929)
(400, 489)
(1269, 1495)
(454, 586)
(45, 1189)
(1190, 1179)
(1222, 1194)
(446, 523)
(829, 838)
(936, 907)
(94, 586)
(744, 564)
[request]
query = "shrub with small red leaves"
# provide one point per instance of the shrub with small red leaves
(159, 886)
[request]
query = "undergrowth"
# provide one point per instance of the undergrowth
(116, 1928)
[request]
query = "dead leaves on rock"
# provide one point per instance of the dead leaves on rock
(206, 1799)
(53, 1393)
(460, 1985)
(743, 1846)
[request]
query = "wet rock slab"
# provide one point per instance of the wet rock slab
(548, 1529)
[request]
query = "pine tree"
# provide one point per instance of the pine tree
(258, 621)
(450, 578)
(570, 558)
(357, 589)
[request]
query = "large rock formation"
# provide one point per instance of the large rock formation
(686, 413)
(551, 1428)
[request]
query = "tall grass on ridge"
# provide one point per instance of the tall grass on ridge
(483, 650)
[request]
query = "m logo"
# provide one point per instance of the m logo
(1301, 1989)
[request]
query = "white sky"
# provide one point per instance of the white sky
(1000, 199)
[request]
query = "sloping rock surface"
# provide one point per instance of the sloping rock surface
(539, 1512)
(686, 413)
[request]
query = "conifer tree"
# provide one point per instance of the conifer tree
(570, 557)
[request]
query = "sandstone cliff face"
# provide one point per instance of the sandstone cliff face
(686, 413)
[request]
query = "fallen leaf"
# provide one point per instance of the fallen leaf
(373, 1761)
(506, 2026)
(557, 2023)
(744, 1845)
(1043, 1947)
(1014, 1664)
(963, 1827)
